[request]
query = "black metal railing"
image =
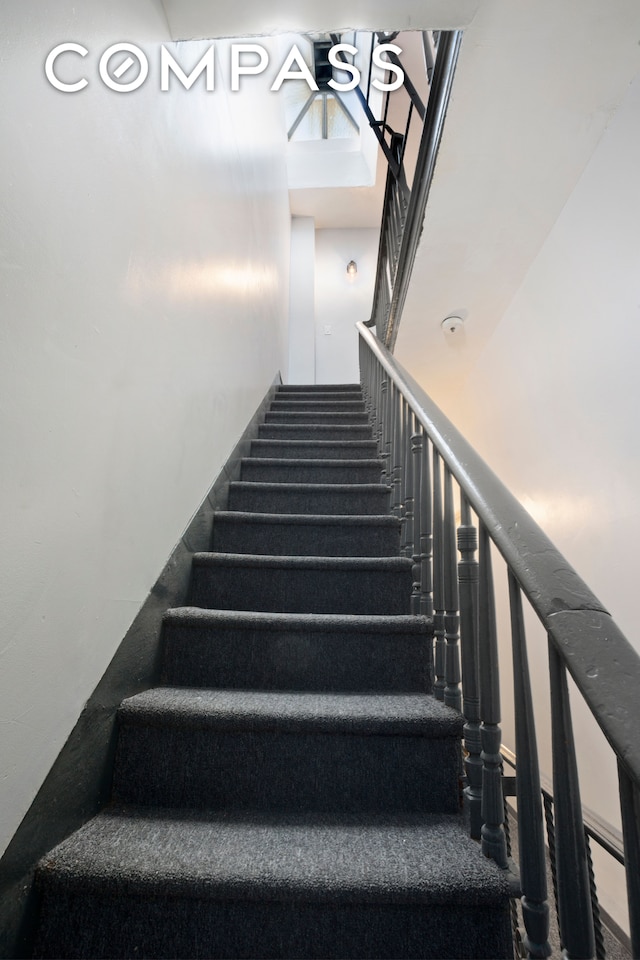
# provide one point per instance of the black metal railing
(431, 468)
(407, 191)
(596, 832)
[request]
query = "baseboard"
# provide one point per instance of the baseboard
(79, 782)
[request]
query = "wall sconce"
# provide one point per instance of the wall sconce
(352, 268)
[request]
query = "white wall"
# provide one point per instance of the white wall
(302, 342)
(340, 300)
(144, 283)
(553, 405)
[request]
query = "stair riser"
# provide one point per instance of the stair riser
(344, 396)
(361, 450)
(314, 388)
(249, 498)
(274, 770)
(346, 419)
(296, 660)
(317, 406)
(304, 540)
(304, 431)
(291, 471)
(295, 590)
(84, 924)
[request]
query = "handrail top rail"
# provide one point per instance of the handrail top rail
(602, 662)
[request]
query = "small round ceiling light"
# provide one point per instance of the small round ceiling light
(352, 268)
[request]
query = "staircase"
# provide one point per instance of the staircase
(292, 789)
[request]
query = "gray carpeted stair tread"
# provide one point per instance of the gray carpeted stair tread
(318, 388)
(309, 519)
(312, 622)
(318, 418)
(310, 431)
(290, 651)
(343, 564)
(370, 499)
(377, 585)
(236, 531)
(313, 392)
(280, 470)
(316, 449)
(287, 751)
(390, 714)
(304, 404)
(408, 859)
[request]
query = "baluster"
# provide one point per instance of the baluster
(518, 949)
(468, 587)
(595, 904)
(452, 692)
(533, 874)
(372, 394)
(366, 378)
(418, 464)
(630, 807)
(377, 434)
(409, 508)
(493, 839)
(397, 449)
(383, 429)
(438, 581)
(426, 536)
(574, 901)
(547, 801)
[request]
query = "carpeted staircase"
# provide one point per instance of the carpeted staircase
(292, 790)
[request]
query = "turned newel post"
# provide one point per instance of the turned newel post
(422, 600)
(417, 460)
(408, 533)
(494, 843)
(452, 692)
(397, 455)
(383, 428)
(468, 588)
(438, 582)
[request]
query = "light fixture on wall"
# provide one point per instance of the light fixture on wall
(352, 268)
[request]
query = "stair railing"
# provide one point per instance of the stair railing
(429, 466)
(596, 831)
(406, 198)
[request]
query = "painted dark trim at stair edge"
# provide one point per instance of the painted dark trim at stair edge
(79, 782)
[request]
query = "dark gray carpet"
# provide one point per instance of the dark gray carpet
(317, 449)
(357, 499)
(275, 651)
(353, 585)
(303, 535)
(279, 470)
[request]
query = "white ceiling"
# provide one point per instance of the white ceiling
(536, 85)
(202, 19)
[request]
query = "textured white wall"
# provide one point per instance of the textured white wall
(553, 406)
(144, 260)
(341, 301)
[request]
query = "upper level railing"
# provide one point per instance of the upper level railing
(433, 471)
(406, 193)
